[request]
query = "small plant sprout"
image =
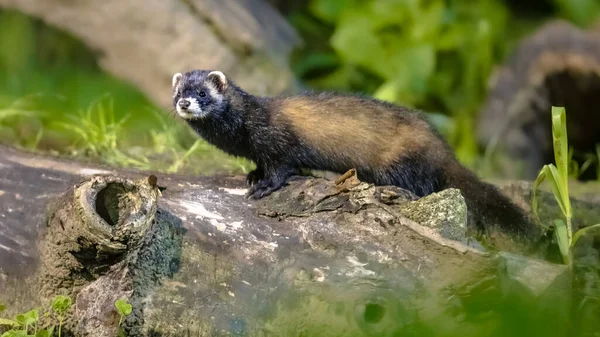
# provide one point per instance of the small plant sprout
(23, 324)
(60, 305)
(559, 179)
(28, 319)
(123, 308)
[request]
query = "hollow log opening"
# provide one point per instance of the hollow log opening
(374, 313)
(112, 202)
(579, 93)
(558, 65)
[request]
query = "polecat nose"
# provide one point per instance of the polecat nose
(184, 103)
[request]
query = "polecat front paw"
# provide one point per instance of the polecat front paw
(262, 189)
(254, 176)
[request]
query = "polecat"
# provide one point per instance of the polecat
(387, 144)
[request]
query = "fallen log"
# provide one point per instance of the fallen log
(194, 257)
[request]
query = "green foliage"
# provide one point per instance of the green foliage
(123, 307)
(26, 324)
(559, 182)
(8, 322)
(29, 318)
(60, 305)
(23, 324)
(418, 50)
(582, 12)
(98, 133)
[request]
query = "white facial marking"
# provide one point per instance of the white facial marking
(192, 111)
(214, 92)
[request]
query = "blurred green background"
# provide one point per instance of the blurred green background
(436, 55)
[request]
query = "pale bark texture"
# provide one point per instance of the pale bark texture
(146, 42)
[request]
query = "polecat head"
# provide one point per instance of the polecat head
(199, 93)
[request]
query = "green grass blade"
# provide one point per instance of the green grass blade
(583, 231)
(572, 165)
(561, 150)
(559, 190)
(536, 184)
(176, 165)
(586, 164)
(562, 237)
(598, 158)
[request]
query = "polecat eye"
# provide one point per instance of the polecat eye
(202, 94)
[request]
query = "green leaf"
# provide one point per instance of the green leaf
(123, 307)
(559, 190)
(9, 322)
(16, 333)
(387, 91)
(583, 231)
(316, 62)
(60, 304)
(330, 11)
(562, 238)
(21, 319)
(31, 317)
(354, 41)
(536, 184)
(45, 332)
(559, 137)
(2, 307)
(581, 12)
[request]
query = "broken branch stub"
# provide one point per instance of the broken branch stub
(90, 228)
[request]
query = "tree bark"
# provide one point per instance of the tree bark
(146, 42)
(200, 259)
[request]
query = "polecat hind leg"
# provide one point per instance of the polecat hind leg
(271, 183)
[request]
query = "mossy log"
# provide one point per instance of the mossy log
(194, 257)
(557, 65)
(144, 42)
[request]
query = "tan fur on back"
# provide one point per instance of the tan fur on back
(355, 129)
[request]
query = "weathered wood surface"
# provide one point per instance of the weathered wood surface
(214, 262)
(146, 42)
(557, 65)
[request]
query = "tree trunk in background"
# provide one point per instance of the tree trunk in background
(145, 42)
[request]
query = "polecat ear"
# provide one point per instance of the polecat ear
(176, 78)
(218, 79)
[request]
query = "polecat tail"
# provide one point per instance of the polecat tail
(489, 209)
